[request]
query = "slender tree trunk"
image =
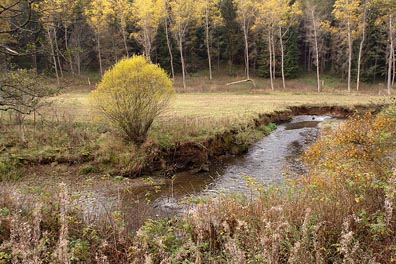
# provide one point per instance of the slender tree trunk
(390, 54)
(316, 51)
(169, 48)
(99, 54)
(78, 63)
(245, 34)
(182, 62)
(394, 67)
(282, 58)
(34, 59)
(68, 52)
(124, 38)
(53, 55)
(361, 45)
(349, 55)
(273, 55)
(147, 45)
(218, 56)
(270, 59)
(208, 44)
(309, 62)
(57, 53)
(125, 43)
(78, 58)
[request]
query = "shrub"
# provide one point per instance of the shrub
(23, 92)
(132, 94)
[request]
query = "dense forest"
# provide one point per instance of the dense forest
(352, 39)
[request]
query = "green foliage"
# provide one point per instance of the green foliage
(4, 212)
(5, 257)
(79, 250)
(10, 169)
(132, 94)
(86, 169)
(291, 55)
(162, 52)
(160, 236)
(262, 60)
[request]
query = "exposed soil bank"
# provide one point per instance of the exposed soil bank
(198, 156)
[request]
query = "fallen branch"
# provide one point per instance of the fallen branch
(247, 80)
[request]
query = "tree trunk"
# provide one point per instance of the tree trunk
(57, 53)
(147, 46)
(169, 48)
(182, 62)
(394, 66)
(349, 55)
(270, 59)
(316, 51)
(68, 52)
(361, 46)
(34, 59)
(124, 39)
(99, 54)
(53, 55)
(273, 56)
(390, 55)
(245, 34)
(208, 44)
(78, 58)
(282, 58)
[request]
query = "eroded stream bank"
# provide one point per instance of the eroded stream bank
(198, 156)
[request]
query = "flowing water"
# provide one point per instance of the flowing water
(268, 161)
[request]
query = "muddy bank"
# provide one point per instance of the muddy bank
(198, 156)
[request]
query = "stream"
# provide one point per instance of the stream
(268, 161)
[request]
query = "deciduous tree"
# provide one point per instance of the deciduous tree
(182, 14)
(122, 11)
(132, 94)
(148, 15)
(246, 15)
(212, 18)
(316, 28)
(97, 17)
(347, 14)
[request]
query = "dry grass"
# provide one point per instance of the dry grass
(195, 116)
(215, 105)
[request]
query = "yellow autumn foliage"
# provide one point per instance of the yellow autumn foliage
(356, 158)
(132, 94)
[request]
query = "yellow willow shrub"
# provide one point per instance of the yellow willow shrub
(355, 157)
(132, 94)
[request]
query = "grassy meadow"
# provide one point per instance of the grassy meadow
(195, 115)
